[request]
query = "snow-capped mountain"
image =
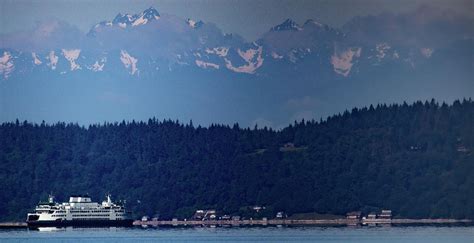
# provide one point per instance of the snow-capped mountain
(163, 43)
(367, 53)
(128, 20)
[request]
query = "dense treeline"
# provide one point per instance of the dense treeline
(414, 159)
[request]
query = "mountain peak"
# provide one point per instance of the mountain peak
(288, 24)
(124, 20)
(150, 9)
(151, 13)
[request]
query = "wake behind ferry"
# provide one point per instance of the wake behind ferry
(79, 211)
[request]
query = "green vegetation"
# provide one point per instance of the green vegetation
(415, 159)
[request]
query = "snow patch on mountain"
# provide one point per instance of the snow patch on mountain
(103, 23)
(6, 65)
(98, 66)
(140, 21)
(313, 22)
(381, 49)
(220, 51)
(129, 61)
(53, 60)
(180, 59)
(292, 57)
(395, 55)
(206, 65)
(248, 55)
(193, 23)
(426, 52)
(36, 59)
(253, 58)
(71, 56)
(276, 56)
(342, 62)
(297, 54)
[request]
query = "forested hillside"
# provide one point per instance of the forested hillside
(416, 159)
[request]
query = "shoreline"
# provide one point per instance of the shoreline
(307, 222)
(279, 222)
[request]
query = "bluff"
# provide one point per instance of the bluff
(415, 159)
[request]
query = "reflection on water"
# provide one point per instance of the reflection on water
(49, 229)
(70, 229)
(243, 234)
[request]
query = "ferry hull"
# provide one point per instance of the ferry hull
(81, 223)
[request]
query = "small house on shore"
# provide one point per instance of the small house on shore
(353, 215)
(235, 218)
(385, 214)
(258, 208)
(280, 215)
(372, 216)
(205, 214)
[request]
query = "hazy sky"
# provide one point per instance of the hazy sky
(249, 18)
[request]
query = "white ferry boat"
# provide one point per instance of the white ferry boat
(79, 211)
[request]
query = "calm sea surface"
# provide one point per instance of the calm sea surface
(267, 234)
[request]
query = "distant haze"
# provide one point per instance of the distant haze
(89, 62)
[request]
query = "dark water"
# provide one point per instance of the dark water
(269, 234)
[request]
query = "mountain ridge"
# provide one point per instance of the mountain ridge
(292, 42)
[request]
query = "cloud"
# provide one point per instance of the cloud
(48, 34)
(261, 122)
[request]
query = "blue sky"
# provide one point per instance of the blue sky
(249, 18)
